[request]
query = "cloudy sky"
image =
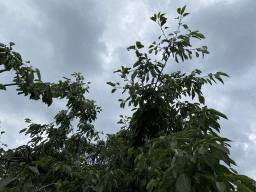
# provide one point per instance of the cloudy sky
(91, 37)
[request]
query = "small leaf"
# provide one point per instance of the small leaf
(139, 45)
(218, 113)
(34, 170)
(183, 9)
(2, 86)
(219, 147)
(38, 74)
(155, 140)
(243, 178)
(241, 186)
(178, 10)
(27, 120)
(183, 183)
(151, 184)
(6, 181)
(221, 186)
(112, 84)
(156, 152)
(21, 131)
(200, 35)
(163, 22)
(221, 73)
(201, 99)
(40, 163)
(153, 18)
(130, 150)
(113, 90)
(197, 55)
(185, 26)
(185, 14)
(131, 47)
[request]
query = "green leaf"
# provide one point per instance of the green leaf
(193, 94)
(153, 18)
(131, 47)
(38, 74)
(200, 35)
(218, 113)
(2, 86)
(6, 181)
(197, 55)
(112, 84)
(155, 140)
(242, 187)
(217, 76)
(221, 186)
(169, 172)
(139, 45)
(21, 131)
(163, 22)
(185, 14)
(220, 139)
(183, 183)
(220, 147)
(243, 178)
(210, 75)
(151, 184)
(130, 150)
(201, 99)
(150, 51)
(27, 120)
(113, 91)
(221, 73)
(34, 170)
(179, 10)
(183, 9)
(39, 163)
(176, 59)
(185, 26)
(156, 152)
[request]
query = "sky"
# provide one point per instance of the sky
(91, 37)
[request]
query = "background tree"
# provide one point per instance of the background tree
(167, 145)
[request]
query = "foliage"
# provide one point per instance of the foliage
(167, 145)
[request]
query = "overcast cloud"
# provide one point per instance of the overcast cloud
(91, 37)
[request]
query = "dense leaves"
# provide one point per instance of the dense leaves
(167, 145)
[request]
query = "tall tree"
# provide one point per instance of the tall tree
(167, 144)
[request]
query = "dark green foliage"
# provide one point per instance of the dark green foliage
(167, 145)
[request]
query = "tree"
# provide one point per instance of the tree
(167, 145)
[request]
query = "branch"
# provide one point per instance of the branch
(13, 84)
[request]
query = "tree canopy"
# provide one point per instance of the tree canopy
(167, 144)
